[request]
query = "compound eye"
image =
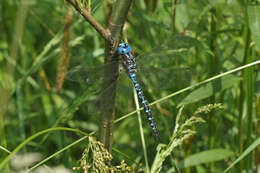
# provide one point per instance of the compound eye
(125, 45)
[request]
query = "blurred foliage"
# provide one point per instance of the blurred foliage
(32, 42)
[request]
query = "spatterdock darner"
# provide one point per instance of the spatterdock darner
(160, 70)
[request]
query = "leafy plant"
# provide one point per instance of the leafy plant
(214, 44)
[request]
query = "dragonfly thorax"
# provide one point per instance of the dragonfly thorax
(124, 48)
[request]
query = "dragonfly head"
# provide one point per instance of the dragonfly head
(124, 48)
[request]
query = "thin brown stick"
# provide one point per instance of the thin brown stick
(90, 19)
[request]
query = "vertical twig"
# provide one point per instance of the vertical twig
(257, 113)
(112, 36)
(115, 26)
(241, 123)
(249, 89)
(243, 92)
(213, 71)
(108, 11)
(174, 2)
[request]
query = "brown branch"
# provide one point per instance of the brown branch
(112, 36)
(90, 19)
(107, 106)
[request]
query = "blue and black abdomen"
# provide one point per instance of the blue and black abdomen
(129, 64)
(146, 107)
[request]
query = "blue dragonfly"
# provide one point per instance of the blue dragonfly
(129, 64)
(157, 70)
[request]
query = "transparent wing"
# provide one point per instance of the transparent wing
(164, 69)
(99, 81)
(160, 63)
(98, 75)
(167, 67)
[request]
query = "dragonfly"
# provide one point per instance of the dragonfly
(129, 64)
(158, 71)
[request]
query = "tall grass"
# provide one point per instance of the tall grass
(216, 43)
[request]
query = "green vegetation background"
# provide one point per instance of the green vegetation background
(180, 43)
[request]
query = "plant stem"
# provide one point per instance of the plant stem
(115, 25)
(141, 131)
(213, 70)
(174, 2)
(249, 92)
(244, 93)
(87, 15)
(257, 113)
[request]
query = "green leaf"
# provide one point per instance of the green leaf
(205, 157)
(253, 12)
(21, 145)
(43, 57)
(210, 89)
(47, 107)
(245, 153)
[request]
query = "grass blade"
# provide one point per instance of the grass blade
(244, 154)
(205, 157)
(253, 12)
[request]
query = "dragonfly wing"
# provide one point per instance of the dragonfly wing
(167, 66)
(173, 47)
(99, 81)
(162, 79)
(100, 103)
(93, 75)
